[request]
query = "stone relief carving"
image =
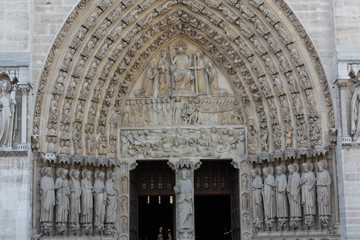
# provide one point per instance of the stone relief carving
(269, 197)
(281, 197)
(294, 195)
(87, 201)
(308, 195)
(178, 142)
(100, 201)
(75, 202)
(257, 198)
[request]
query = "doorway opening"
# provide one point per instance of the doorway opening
(213, 217)
(217, 213)
(155, 212)
(153, 190)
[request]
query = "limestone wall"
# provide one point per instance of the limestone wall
(15, 197)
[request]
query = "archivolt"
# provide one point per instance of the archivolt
(103, 46)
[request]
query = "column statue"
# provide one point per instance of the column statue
(307, 183)
(281, 198)
(62, 199)
(111, 202)
(293, 190)
(100, 201)
(257, 189)
(47, 192)
(7, 114)
(184, 191)
(86, 201)
(75, 193)
(323, 182)
(269, 196)
(355, 110)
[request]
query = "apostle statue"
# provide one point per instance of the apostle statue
(269, 196)
(163, 75)
(75, 193)
(257, 188)
(111, 201)
(62, 199)
(181, 74)
(213, 78)
(323, 182)
(7, 114)
(100, 200)
(86, 200)
(47, 192)
(307, 183)
(281, 198)
(184, 191)
(293, 190)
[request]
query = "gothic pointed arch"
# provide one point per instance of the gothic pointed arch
(270, 60)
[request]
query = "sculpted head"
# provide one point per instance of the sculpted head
(266, 171)
(184, 173)
(280, 170)
(48, 171)
(291, 169)
(181, 50)
(306, 167)
(76, 174)
(321, 166)
(88, 175)
(64, 173)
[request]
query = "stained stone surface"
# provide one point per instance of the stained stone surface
(284, 80)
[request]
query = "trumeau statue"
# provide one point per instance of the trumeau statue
(62, 199)
(75, 194)
(86, 198)
(47, 192)
(293, 189)
(269, 196)
(257, 198)
(100, 200)
(111, 201)
(323, 182)
(7, 114)
(307, 183)
(184, 191)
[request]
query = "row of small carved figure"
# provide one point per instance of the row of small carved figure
(75, 201)
(291, 196)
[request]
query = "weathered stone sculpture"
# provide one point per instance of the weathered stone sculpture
(182, 76)
(307, 183)
(355, 110)
(323, 182)
(214, 80)
(111, 202)
(293, 190)
(75, 193)
(184, 191)
(7, 114)
(100, 201)
(163, 74)
(257, 189)
(281, 198)
(269, 196)
(47, 192)
(62, 199)
(86, 201)
(200, 76)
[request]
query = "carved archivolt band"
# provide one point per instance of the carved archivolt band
(277, 75)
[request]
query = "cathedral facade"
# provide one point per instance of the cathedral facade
(180, 119)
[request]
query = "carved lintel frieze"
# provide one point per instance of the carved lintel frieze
(165, 143)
